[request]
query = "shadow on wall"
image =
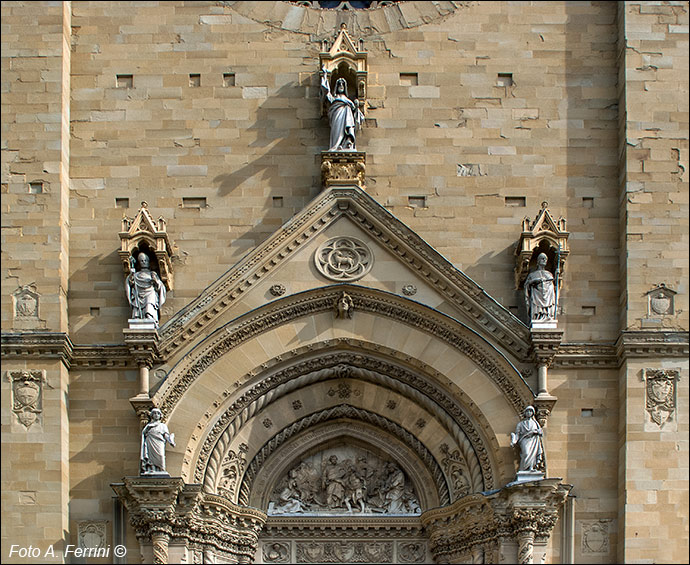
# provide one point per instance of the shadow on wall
(287, 140)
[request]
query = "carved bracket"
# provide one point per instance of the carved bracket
(543, 235)
(545, 345)
(343, 168)
(346, 60)
(142, 233)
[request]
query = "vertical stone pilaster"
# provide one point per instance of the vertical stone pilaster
(36, 189)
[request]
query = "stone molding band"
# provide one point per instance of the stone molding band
(58, 345)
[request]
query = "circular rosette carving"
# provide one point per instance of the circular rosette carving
(343, 259)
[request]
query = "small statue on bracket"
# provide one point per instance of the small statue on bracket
(145, 290)
(528, 437)
(154, 436)
(540, 293)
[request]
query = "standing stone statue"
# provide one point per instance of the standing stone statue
(145, 290)
(540, 293)
(344, 114)
(153, 439)
(527, 436)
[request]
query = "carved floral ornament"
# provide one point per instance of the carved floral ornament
(660, 392)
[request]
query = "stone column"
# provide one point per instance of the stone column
(525, 547)
(160, 540)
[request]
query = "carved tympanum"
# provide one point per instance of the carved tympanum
(344, 480)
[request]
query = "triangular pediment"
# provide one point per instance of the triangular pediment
(342, 44)
(544, 222)
(344, 217)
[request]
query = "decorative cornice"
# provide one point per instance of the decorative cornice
(644, 344)
(309, 526)
(631, 344)
(38, 345)
(586, 355)
(483, 520)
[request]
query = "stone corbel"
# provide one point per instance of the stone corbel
(343, 168)
(347, 60)
(142, 233)
(543, 235)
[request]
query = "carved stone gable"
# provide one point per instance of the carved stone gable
(143, 233)
(543, 235)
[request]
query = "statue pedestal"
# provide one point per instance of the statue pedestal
(137, 324)
(547, 325)
(525, 476)
(343, 168)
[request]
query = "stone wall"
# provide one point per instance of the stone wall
(473, 120)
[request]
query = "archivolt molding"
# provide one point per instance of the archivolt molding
(336, 365)
(286, 310)
(289, 450)
(381, 226)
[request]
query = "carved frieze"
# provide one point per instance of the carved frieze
(343, 259)
(348, 551)
(660, 394)
(27, 395)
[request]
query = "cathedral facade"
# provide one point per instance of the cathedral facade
(345, 282)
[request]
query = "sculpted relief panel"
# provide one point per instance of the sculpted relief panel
(344, 480)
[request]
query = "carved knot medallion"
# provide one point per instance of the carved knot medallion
(343, 259)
